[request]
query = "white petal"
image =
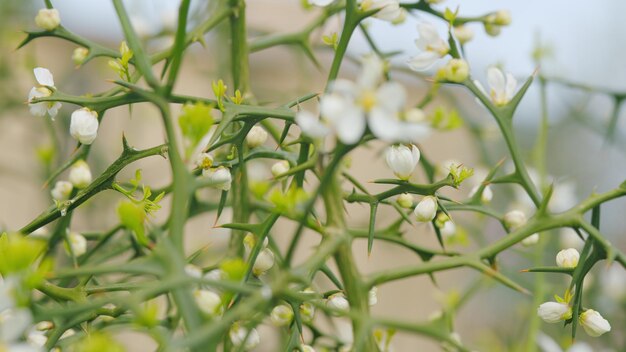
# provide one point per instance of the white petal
(423, 60)
(427, 34)
(333, 106)
(311, 125)
(495, 78)
(13, 323)
(320, 3)
(44, 76)
(54, 109)
(84, 125)
(511, 85)
(372, 69)
(391, 96)
(351, 126)
(383, 126)
(38, 109)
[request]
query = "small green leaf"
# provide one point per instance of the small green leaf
(195, 122)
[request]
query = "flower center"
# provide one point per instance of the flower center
(367, 100)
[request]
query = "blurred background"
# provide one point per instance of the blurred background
(581, 43)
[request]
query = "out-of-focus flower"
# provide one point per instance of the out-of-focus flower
(193, 271)
(79, 55)
(501, 87)
(402, 160)
(80, 174)
(567, 258)
(514, 219)
(61, 190)
(320, 3)
(77, 243)
(220, 177)
(426, 209)
(44, 79)
(486, 196)
(338, 301)
(264, 262)
(432, 47)
(84, 125)
(531, 240)
(372, 296)
(48, 19)
(405, 200)
(282, 315)
(388, 10)
(256, 137)
(463, 33)
(241, 337)
(280, 167)
(204, 161)
(208, 301)
(455, 70)
(593, 323)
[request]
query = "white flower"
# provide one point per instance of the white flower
(372, 296)
(614, 282)
(307, 348)
(486, 196)
(45, 80)
(238, 336)
(209, 302)
(431, 45)
(84, 125)
(405, 200)
(61, 190)
(280, 168)
(593, 323)
(282, 315)
(220, 177)
(567, 258)
(80, 174)
(256, 137)
(531, 240)
(554, 312)
(455, 70)
(264, 262)
(514, 219)
(388, 10)
(77, 243)
(402, 160)
(79, 55)
(48, 19)
(193, 271)
(348, 107)
(338, 301)
(307, 311)
(501, 87)
(448, 229)
(14, 322)
(204, 161)
(320, 3)
(426, 209)
(463, 33)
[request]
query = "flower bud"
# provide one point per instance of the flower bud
(193, 271)
(456, 70)
(204, 161)
(256, 137)
(77, 243)
(514, 219)
(282, 315)
(531, 240)
(405, 200)
(402, 160)
(209, 302)
(264, 262)
(238, 336)
(593, 323)
(448, 229)
(61, 190)
(80, 174)
(486, 196)
(280, 168)
(492, 29)
(249, 241)
(567, 258)
(220, 177)
(84, 125)
(307, 312)
(338, 301)
(463, 34)
(426, 209)
(307, 348)
(502, 18)
(372, 296)
(554, 312)
(79, 55)
(48, 19)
